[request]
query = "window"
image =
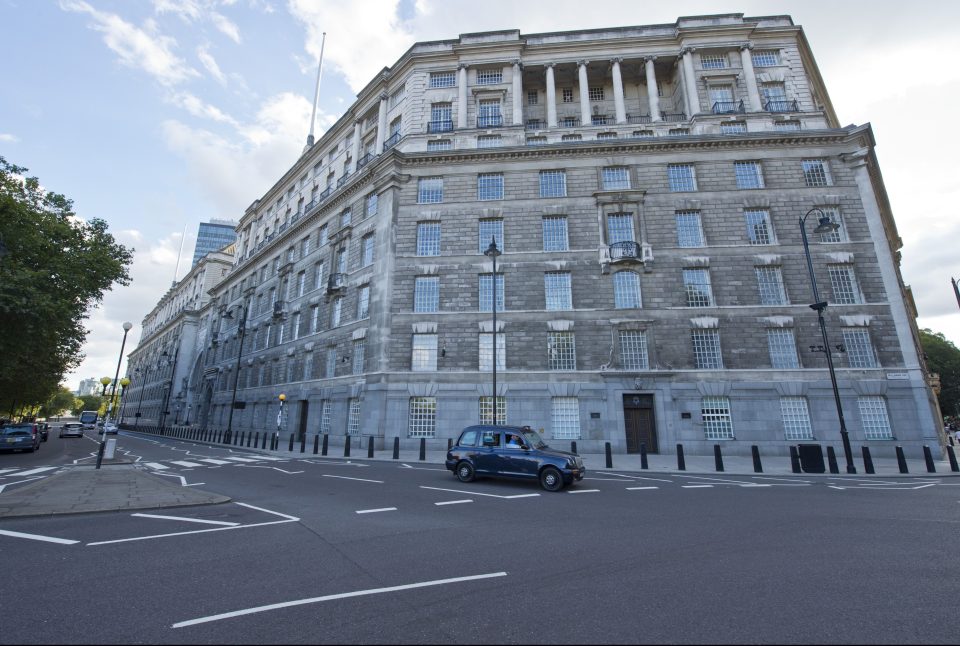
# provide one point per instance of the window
(318, 275)
(796, 418)
(689, 229)
(532, 97)
(840, 235)
(439, 144)
(681, 177)
(615, 178)
(536, 141)
(490, 75)
(606, 135)
(565, 418)
(429, 190)
(783, 349)
(426, 294)
(488, 113)
(770, 284)
(486, 410)
(368, 246)
(860, 353)
(874, 417)
(295, 326)
(816, 172)
(396, 97)
(342, 260)
(314, 318)
(678, 132)
(553, 183)
(428, 238)
(301, 283)
(486, 293)
(633, 350)
(715, 413)
(363, 303)
(424, 353)
(626, 290)
(619, 227)
(359, 346)
(844, 284)
(325, 417)
(491, 230)
(555, 233)
(556, 285)
(720, 99)
(561, 351)
(566, 94)
(336, 311)
(733, 128)
(305, 246)
(713, 61)
(443, 79)
(322, 240)
(696, 283)
(786, 125)
(642, 134)
(571, 137)
(595, 93)
(706, 349)
(489, 141)
(486, 352)
(774, 93)
(423, 417)
(353, 416)
(748, 174)
(373, 203)
(759, 228)
(346, 217)
(331, 371)
(490, 186)
(765, 57)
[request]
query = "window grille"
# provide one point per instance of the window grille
(325, 417)
(633, 350)
(558, 290)
(749, 174)
(599, 120)
(816, 172)
(486, 410)
(619, 228)
(396, 97)
(571, 137)
(486, 293)
(489, 141)
(485, 353)
(553, 183)
(489, 76)
(565, 418)
(437, 145)
(595, 93)
(840, 235)
(373, 203)
(759, 229)
(642, 134)
(706, 349)
(689, 229)
(426, 294)
(536, 141)
(713, 61)
(860, 352)
(555, 233)
(765, 57)
(532, 97)
(490, 186)
(428, 238)
(681, 177)
(775, 92)
(441, 115)
(443, 79)
(331, 363)
(678, 132)
(423, 417)
(566, 94)
(359, 348)
(770, 285)
(363, 303)
(353, 417)
(796, 418)
(717, 423)
(873, 415)
(562, 351)
(843, 280)
(786, 125)
(615, 178)
(423, 356)
(696, 283)
(429, 190)
(490, 230)
(626, 290)
(605, 135)
(733, 127)
(783, 349)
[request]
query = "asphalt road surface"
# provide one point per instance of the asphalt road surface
(328, 550)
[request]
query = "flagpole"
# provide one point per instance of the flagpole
(316, 94)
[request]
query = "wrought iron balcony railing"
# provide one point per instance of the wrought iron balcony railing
(781, 106)
(443, 125)
(391, 142)
(728, 107)
(489, 120)
(673, 116)
(625, 250)
(535, 124)
(363, 161)
(336, 282)
(639, 118)
(343, 180)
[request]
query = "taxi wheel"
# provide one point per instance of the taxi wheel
(465, 472)
(551, 480)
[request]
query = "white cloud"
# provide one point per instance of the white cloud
(210, 64)
(138, 48)
(8, 138)
(199, 108)
(191, 11)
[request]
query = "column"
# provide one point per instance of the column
(382, 123)
(462, 96)
(517, 93)
(355, 146)
(690, 81)
(551, 98)
(653, 97)
(585, 119)
(756, 105)
(618, 107)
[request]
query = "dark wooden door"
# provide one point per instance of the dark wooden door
(638, 423)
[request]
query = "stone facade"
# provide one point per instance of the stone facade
(603, 180)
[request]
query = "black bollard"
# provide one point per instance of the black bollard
(290, 448)
(681, 463)
(757, 466)
(236, 438)
(867, 460)
(952, 456)
(928, 458)
(326, 439)
(346, 448)
(573, 447)
(303, 443)
(794, 459)
(901, 460)
(256, 440)
(609, 455)
(249, 437)
(832, 460)
(316, 443)
(423, 449)
(717, 457)
(396, 448)
(370, 447)
(643, 456)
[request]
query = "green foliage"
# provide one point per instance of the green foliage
(55, 270)
(943, 357)
(61, 401)
(87, 402)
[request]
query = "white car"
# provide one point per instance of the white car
(109, 428)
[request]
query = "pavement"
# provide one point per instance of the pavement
(124, 485)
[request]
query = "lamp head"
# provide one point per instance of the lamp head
(105, 381)
(127, 326)
(826, 225)
(492, 251)
(282, 397)
(124, 382)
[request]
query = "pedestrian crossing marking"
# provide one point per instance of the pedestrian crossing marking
(212, 461)
(156, 465)
(184, 463)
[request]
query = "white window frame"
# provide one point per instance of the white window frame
(875, 417)
(426, 294)
(689, 229)
(565, 418)
(626, 290)
(859, 346)
(749, 174)
(716, 418)
(422, 417)
(682, 178)
(698, 287)
(770, 285)
(795, 413)
(428, 239)
(555, 233)
(423, 353)
(553, 183)
(633, 350)
(782, 348)
(561, 351)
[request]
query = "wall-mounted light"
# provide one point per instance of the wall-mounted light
(443, 352)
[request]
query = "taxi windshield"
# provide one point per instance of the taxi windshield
(533, 439)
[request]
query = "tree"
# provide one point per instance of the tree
(54, 268)
(62, 400)
(943, 357)
(87, 402)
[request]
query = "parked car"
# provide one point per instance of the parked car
(512, 451)
(71, 429)
(20, 437)
(44, 430)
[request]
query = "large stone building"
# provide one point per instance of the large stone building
(645, 186)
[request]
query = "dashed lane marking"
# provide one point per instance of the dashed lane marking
(640, 488)
(452, 502)
(37, 537)
(239, 459)
(583, 491)
(156, 465)
(374, 511)
(213, 461)
(477, 493)
(702, 486)
(185, 463)
(36, 471)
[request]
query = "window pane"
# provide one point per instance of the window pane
(426, 295)
(633, 350)
(815, 172)
(557, 290)
(486, 352)
(428, 239)
(620, 228)
(698, 289)
(844, 284)
(796, 418)
(555, 233)
(615, 178)
(748, 174)
(442, 79)
(626, 290)
(689, 229)
(429, 190)
(486, 293)
(565, 418)
(706, 349)
(553, 183)
(759, 229)
(490, 186)
(783, 349)
(424, 354)
(860, 352)
(876, 421)
(423, 417)
(717, 423)
(840, 235)
(490, 230)
(561, 351)
(770, 285)
(486, 410)
(681, 177)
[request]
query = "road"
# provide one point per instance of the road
(329, 550)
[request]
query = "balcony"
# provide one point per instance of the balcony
(489, 120)
(781, 106)
(627, 250)
(673, 116)
(391, 142)
(443, 125)
(343, 180)
(639, 118)
(535, 124)
(336, 283)
(311, 204)
(324, 194)
(569, 122)
(600, 120)
(727, 107)
(363, 161)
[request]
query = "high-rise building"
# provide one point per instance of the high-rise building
(213, 236)
(647, 188)
(88, 387)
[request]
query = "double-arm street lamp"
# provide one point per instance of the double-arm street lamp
(826, 225)
(241, 330)
(103, 443)
(166, 398)
(493, 252)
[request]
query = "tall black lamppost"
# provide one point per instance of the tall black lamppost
(103, 443)
(241, 330)
(121, 404)
(826, 225)
(492, 252)
(166, 398)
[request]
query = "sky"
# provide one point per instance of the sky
(155, 115)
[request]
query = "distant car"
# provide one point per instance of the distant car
(109, 428)
(512, 451)
(71, 429)
(20, 437)
(44, 430)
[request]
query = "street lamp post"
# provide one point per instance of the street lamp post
(241, 330)
(492, 252)
(166, 397)
(121, 404)
(825, 225)
(282, 399)
(103, 443)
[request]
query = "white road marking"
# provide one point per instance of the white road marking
(20, 482)
(756, 485)
(373, 511)
(358, 479)
(583, 491)
(212, 461)
(331, 597)
(239, 459)
(263, 466)
(654, 479)
(185, 463)
(267, 511)
(606, 479)
(183, 481)
(37, 537)
(156, 465)
(2, 471)
(189, 520)
(696, 486)
(405, 465)
(640, 488)
(791, 480)
(423, 468)
(35, 471)
(452, 502)
(476, 493)
(717, 480)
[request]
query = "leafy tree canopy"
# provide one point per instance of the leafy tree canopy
(943, 357)
(54, 268)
